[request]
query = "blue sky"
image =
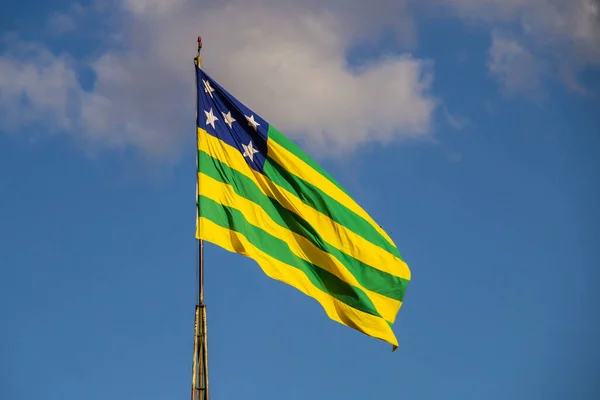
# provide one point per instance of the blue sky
(477, 153)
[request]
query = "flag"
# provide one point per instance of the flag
(261, 196)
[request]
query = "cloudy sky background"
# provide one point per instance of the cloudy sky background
(126, 82)
(469, 128)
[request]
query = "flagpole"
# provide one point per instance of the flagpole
(200, 356)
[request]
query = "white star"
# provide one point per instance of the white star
(210, 118)
(251, 121)
(207, 88)
(249, 150)
(228, 118)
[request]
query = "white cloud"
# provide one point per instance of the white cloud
(285, 59)
(152, 7)
(37, 87)
(299, 80)
(67, 21)
(564, 35)
(513, 65)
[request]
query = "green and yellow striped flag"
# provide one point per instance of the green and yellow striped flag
(261, 196)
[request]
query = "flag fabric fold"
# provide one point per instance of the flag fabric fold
(261, 196)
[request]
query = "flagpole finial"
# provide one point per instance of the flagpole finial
(198, 57)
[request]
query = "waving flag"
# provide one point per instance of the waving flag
(261, 196)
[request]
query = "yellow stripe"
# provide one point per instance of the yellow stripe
(332, 232)
(299, 245)
(335, 309)
(298, 167)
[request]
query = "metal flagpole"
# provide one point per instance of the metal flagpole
(200, 358)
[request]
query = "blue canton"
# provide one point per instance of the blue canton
(223, 116)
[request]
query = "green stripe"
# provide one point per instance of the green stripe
(370, 278)
(283, 141)
(233, 219)
(325, 204)
(319, 200)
